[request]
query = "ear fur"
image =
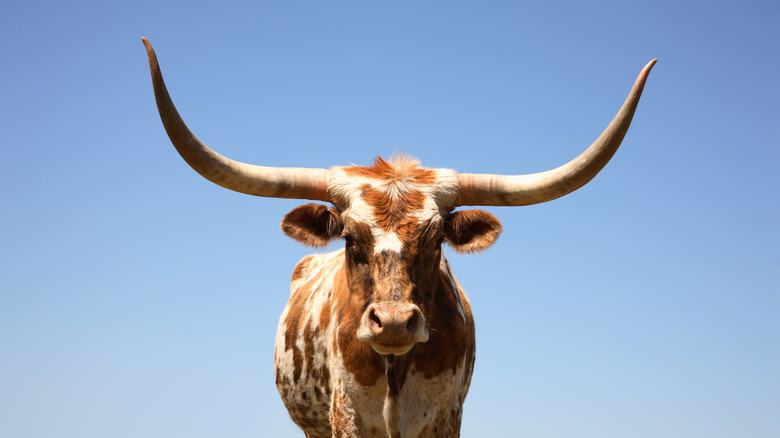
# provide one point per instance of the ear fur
(312, 224)
(471, 230)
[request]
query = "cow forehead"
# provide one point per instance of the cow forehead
(390, 195)
(402, 180)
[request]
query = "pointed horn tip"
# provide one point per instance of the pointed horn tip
(150, 54)
(148, 45)
(649, 65)
(643, 75)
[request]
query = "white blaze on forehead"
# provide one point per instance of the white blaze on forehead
(386, 241)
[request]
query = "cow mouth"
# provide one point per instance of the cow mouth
(386, 349)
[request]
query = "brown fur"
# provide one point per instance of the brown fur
(359, 359)
(472, 230)
(391, 210)
(312, 224)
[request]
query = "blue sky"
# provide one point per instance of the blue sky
(138, 299)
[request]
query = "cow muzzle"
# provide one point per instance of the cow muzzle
(392, 328)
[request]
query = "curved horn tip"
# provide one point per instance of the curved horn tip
(150, 54)
(643, 75)
(148, 45)
(650, 64)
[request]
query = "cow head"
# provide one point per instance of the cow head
(393, 218)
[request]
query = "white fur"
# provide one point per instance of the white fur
(386, 241)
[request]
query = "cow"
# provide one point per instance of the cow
(377, 339)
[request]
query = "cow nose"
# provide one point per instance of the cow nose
(392, 328)
(392, 319)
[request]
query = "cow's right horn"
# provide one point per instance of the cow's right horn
(275, 182)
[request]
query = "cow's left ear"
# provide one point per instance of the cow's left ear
(312, 224)
(471, 230)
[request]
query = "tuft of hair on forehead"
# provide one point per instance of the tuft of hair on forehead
(400, 168)
(401, 174)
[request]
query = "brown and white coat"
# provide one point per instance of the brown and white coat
(394, 219)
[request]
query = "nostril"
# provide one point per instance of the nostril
(372, 316)
(411, 325)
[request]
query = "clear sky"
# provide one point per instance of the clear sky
(139, 300)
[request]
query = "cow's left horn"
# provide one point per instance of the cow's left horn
(276, 182)
(513, 190)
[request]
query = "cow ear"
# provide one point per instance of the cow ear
(312, 224)
(471, 230)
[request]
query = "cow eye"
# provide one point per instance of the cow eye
(354, 251)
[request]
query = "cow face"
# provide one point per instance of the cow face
(393, 218)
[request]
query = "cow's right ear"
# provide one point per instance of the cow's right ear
(312, 224)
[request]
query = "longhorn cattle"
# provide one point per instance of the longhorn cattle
(377, 339)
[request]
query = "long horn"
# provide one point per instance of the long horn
(515, 190)
(276, 182)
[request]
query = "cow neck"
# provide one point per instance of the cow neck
(395, 369)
